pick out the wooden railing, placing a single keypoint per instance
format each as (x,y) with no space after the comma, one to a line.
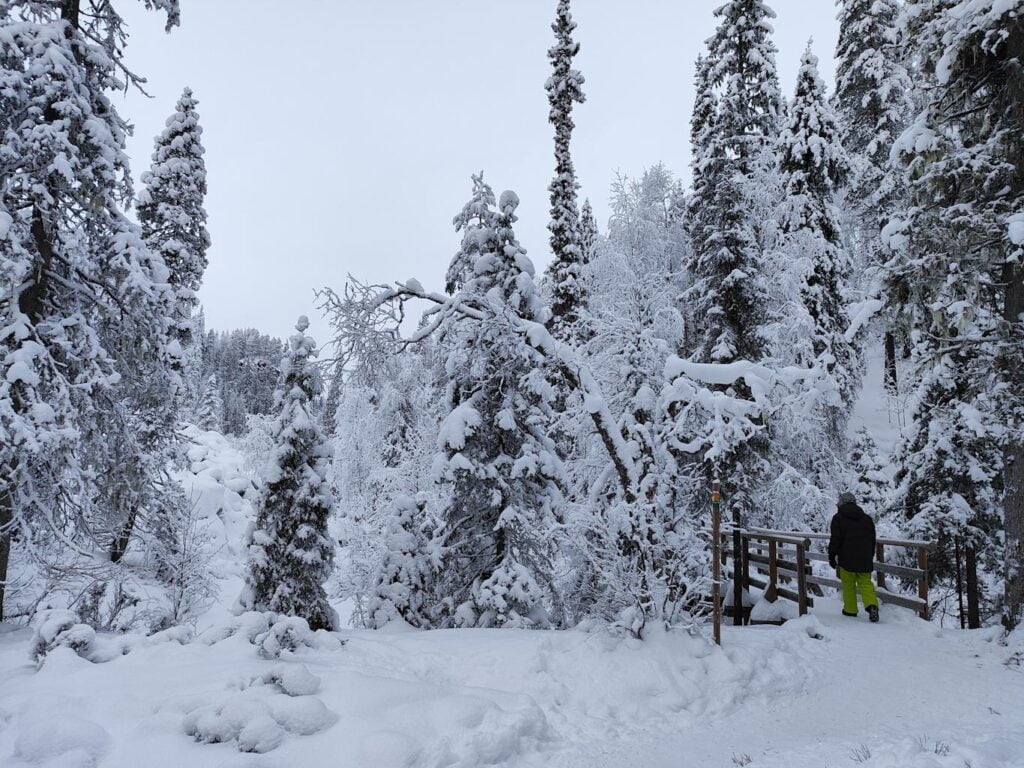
(783,562)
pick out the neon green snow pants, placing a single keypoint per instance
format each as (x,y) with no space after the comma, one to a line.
(851,581)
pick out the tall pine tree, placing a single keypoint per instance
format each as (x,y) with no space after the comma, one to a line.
(565,88)
(291,553)
(813,165)
(173,220)
(172,213)
(735,126)
(498,466)
(75,270)
(960,248)
(873,105)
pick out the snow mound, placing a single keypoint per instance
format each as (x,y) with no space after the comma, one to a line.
(293,679)
(273,635)
(68,741)
(257,722)
(221,492)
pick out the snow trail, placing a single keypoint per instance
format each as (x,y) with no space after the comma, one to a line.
(910,694)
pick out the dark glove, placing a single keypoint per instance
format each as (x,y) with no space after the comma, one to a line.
(832,561)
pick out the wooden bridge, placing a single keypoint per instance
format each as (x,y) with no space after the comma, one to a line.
(779,563)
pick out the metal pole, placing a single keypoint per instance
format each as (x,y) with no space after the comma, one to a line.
(716,538)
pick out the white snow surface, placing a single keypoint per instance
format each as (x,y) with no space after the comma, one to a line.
(815,692)
(822,690)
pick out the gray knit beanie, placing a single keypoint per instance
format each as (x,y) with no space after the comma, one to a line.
(846,498)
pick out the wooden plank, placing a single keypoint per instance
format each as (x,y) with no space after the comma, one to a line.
(797,535)
(746,564)
(907,543)
(801,580)
(737,579)
(879,560)
(922,585)
(913,603)
(758,582)
(773,573)
(789,573)
(825,581)
(790,594)
(884,595)
(898,570)
(820,557)
(783,539)
(716,584)
(789,565)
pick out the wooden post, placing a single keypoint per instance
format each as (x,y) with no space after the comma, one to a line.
(737,579)
(801,577)
(922,585)
(880,557)
(770,594)
(746,563)
(716,575)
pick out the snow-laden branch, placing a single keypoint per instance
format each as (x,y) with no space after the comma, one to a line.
(712,421)
(377,310)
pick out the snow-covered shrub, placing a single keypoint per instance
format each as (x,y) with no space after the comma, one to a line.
(61,627)
(293,679)
(186,569)
(117,604)
(286,635)
(411,558)
(257,722)
(257,444)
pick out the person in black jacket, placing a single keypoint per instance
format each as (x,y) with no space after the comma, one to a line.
(851,551)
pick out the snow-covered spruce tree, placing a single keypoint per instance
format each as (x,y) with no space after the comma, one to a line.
(735,127)
(208,412)
(171,210)
(71,261)
(873,103)
(869,480)
(589,233)
(565,88)
(949,481)
(498,468)
(291,554)
(192,367)
(810,249)
(732,137)
(960,249)
(404,583)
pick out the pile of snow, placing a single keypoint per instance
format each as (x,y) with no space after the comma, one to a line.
(221,493)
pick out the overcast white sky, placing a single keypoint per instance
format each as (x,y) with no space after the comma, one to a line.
(341,134)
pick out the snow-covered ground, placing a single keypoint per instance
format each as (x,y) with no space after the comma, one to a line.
(821,691)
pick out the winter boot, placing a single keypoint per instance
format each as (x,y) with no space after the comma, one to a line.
(873,613)
(847,613)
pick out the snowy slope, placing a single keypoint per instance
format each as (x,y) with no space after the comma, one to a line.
(910,695)
(820,691)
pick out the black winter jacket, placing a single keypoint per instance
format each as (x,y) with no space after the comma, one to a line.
(853,540)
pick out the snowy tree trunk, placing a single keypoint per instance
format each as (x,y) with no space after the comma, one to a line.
(6,516)
(891,380)
(973,594)
(1013,507)
(120,544)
